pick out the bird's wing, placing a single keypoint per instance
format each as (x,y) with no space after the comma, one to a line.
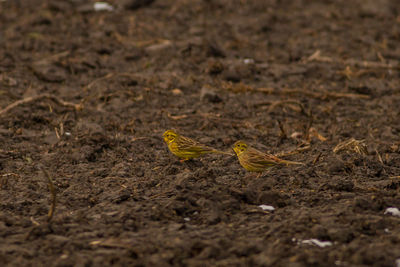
(187,144)
(262,159)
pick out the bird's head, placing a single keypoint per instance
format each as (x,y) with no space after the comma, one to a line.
(239,147)
(170,136)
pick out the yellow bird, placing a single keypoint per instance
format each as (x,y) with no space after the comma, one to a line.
(186,148)
(254,160)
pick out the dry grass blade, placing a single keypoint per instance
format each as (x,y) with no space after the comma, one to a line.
(379,156)
(34,222)
(352,145)
(307,128)
(316,56)
(177,117)
(37,98)
(317,158)
(240,87)
(315,133)
(111,243)
(296,151)
(283,134)
(53,194)
(304,92)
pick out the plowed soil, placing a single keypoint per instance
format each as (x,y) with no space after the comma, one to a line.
(91,93)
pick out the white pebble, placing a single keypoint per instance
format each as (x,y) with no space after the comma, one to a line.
(393,211)
(248,61)
(267,207)
(317,242)
(103,6)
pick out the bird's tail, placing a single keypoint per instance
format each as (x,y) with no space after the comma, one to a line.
(288,162)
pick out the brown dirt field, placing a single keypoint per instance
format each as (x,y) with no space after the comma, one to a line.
(100,88)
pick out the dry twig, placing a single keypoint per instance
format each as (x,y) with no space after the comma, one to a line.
(53,194)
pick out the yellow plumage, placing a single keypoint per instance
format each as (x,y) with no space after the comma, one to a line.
(186,148)
(254,160)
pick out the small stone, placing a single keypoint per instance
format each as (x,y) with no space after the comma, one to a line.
(176,91)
